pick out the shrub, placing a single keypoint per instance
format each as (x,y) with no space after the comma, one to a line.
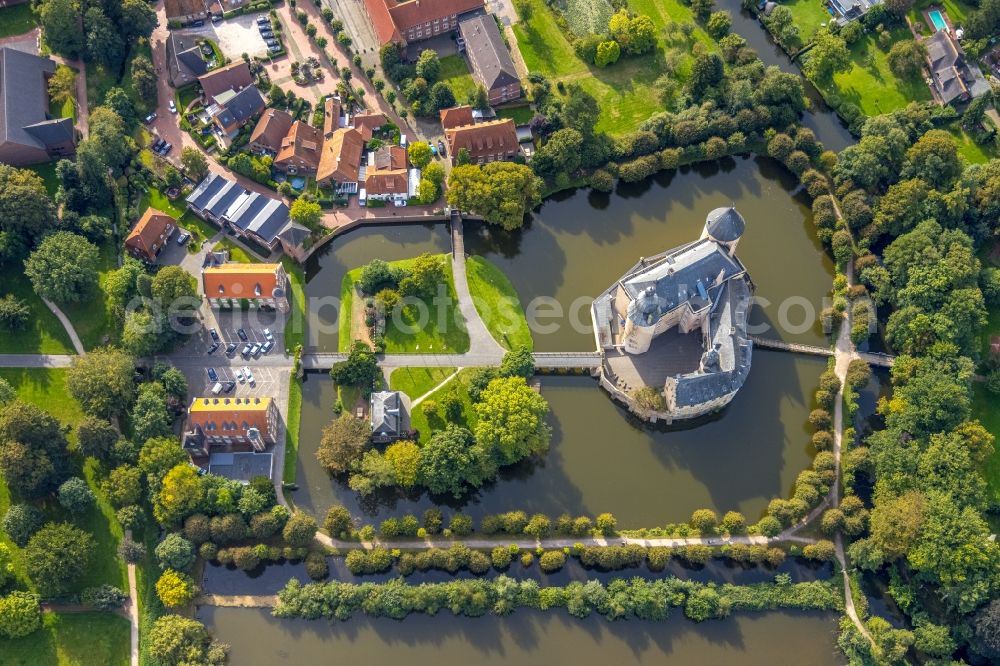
(823,550)
(21,521)
(245,558)
(20,614)
(228,528)
(501,557)
(75,496)
(316,566)
(208,551)
(607,524)
(105,597)
(658,557)
(704,520)
(197,528)
(526,559)
(460,525)
(823,440)
(338,520)
(299,530)
(131,517)
(552,560)
(175,552)
(175,589)
(57,556)
(131,551)
(820,419)
(433,521)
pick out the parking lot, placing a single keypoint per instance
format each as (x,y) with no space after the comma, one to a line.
(234,36)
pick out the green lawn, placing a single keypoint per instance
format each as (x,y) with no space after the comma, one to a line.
(162,203)
(497,303)
(874,88)
(986,408)
(809,16)
(969,149)
(456,74)
(16,20)
(236,252)
(93,322)
(184,96)
(624,91)
(292,429)
(441,331)
(47,172)
(415,382)
(522,115)
(460,384)
(71,639)
(295,322)
(43,334)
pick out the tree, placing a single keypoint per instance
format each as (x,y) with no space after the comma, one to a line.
(299,530)
(175,552)
(123,486)
(934,159)
(20,614)
(704,520)
(136,19)
(175,589)
(986,630)
(33,455)
(56,558)
(420,154)
(442,96)
(158,456)
(176,640)
(62,24)
(6,565)
(63,268)
(105,43)
(425,275)
(144,81)
(194,163)
(342,444)
(828,55)
(404,457)
(606,523)
(62,84)
(707,71)
(635,34)
(511,420)
(22,521)
(906,58)
(307,213)
(450,460)
(180,495)
(502,192)
(360,368)
(560,154)
(518,362)
(650,398)
(718,24)
(103,381)
(26,211)
(428,65)
(75,496)
(118,101)
(607,53)
(95,437)
(14,313)
(479,100)
(899,7)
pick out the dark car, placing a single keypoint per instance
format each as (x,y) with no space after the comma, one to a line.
(246,350)
(242,334)
(263,19)
(228,387)
(215,346)
(213,375)
(231,348)
(267,34)
(151,117)
(197,24)
(214,333)
(441,149)
(166,148)
(272,43)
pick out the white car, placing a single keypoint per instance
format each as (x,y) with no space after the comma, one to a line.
(268,335)
(173,107)
(250,379)
(239,376)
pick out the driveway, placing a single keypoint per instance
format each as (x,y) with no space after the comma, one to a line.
(358,28)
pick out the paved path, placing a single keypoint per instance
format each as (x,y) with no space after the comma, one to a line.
(481,341)
(36,360)
(67,324)
(133,610)
(447,379)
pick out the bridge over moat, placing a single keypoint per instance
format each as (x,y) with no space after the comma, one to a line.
(872,358)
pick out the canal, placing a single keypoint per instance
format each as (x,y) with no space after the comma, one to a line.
(527,638)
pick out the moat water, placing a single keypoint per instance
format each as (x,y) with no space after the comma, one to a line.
(601,459)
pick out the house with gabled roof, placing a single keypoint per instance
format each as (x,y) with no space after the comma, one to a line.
(415,20)
(261,285)
(233,424)
(456,116)
(491,141)
(300,149)
(184,60)
(270,131)
(340,161)
(29,134)
(150,235)
(491,64)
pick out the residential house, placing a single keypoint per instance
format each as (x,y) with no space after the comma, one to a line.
(952,77)
(300,149)
(150,234)
(261,285)
(185,11)
(231,78)
(849,10)
(331,115)
(492,66)
(240,424)
(415,20)
(456,117)
(260,218)
(367,123)
(270,131)
(184,59)
(386,176)
(388,416)
(340,161)
(232,100)
(491,141)
(28,132)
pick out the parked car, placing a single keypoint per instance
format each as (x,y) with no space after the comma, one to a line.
(400,204)
(268,346)
(214,333)
(151,117)
(183,238)
(231,348)
(197,24)
(266,33)
(273,48)
(242,334)
(156,145)
(441,149)
(268,335)
(249,375)
(172,106)
(166,148)
(255,351)
(246,350)
(213,375)
(240,377)
(228,387)
(216,18)
(263,19)
(434,150)
(214,348)
(217,389)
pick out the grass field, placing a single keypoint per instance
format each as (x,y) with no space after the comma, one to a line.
(456,74)
(16,20)
(295,322)
(43,334)
(90,317)
(236,252)
(292,429)
(415,382)
(439,332)
(47,172)
(809,16)
(460,384)
(71,639)
(498,305)
(969,149)
(624,91)
(873,86)
(986,408)
(521,115)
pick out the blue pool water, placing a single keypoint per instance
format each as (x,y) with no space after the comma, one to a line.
(298,183)
(937,20)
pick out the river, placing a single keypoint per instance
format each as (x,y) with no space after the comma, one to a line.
(527,638)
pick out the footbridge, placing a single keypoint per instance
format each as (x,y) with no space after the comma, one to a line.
(872,358)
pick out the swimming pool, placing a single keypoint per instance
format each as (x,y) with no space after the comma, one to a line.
(937,20)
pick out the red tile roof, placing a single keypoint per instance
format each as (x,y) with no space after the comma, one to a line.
(183,8)
(150,233)
(341,158)
(497,137)
(235,280)
(234,77)
(331,116)
(393,181)
(272,127)
(389,158)
(367,123)
(456,117)
(301,147)
(385,27)
(390,19)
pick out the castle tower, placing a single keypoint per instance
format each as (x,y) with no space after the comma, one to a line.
(725,226)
